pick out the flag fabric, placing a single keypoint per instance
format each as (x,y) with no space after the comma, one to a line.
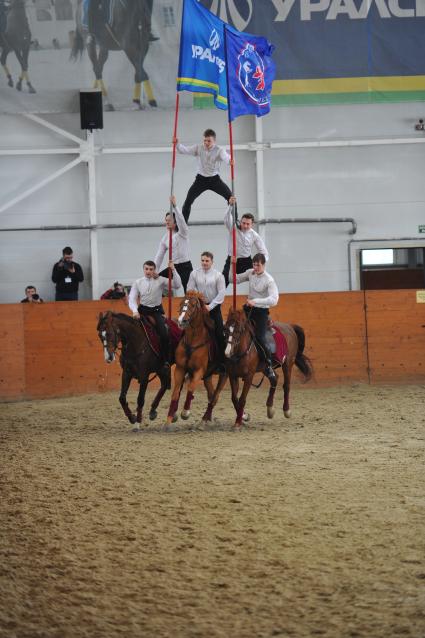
(202,66)
(250,73)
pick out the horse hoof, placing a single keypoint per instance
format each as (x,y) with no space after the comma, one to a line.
(138,105)
(19,85)
(175,417)
(152,415)
(185,415)
(153,103)
(31,89)
(287,413)
(132,419)
(246,417)
(270,412)
(108,107)
(10,83)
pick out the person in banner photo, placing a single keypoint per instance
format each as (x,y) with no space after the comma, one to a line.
(209,158)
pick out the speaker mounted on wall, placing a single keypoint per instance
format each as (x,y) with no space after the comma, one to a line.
(91,109)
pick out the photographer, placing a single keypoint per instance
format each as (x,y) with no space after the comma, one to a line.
(117,291)
(67,275)
(31,295)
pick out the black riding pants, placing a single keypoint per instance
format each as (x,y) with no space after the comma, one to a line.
(217,317)
(260,318)
(242,265)
(184,269)
(157,312)
(202,184)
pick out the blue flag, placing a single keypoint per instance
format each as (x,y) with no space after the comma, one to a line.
(250,73)
(202,66)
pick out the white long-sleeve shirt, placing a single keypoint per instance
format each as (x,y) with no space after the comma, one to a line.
(262,288)
(208,161)
(245,239)
(180,242)
(211,283)
(148,291)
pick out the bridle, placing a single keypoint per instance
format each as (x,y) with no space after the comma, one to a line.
(187,311)
(109,336)
(233,341)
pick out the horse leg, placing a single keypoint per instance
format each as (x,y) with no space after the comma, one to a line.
(287,371)
(125,384)
(3,58)
(242,400)
(212,402)
(155,403)
(24,55)
(141,399)
(193,382)
(179,374)
(270,398)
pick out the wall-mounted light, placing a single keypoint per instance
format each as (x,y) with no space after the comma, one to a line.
(420,126)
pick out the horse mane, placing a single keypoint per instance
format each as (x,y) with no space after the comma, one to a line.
(194,294)
(238,316)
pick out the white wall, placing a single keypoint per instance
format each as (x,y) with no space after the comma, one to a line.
(380,186)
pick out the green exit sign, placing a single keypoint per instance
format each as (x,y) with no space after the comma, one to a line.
(421,228)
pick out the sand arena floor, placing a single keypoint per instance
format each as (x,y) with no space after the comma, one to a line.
(312,526)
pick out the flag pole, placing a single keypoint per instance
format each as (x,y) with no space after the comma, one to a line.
(232,173)
(170,232)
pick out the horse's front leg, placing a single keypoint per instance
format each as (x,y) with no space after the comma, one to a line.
(287,371)
(212,401)
(155,403)
(193,382)
(141,400)
(247,382)
(270,397)
(125,384)
(3,59)
(179,374)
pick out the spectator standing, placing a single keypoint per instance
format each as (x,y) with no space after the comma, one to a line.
(67,275)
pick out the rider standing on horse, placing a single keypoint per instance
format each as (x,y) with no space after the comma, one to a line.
(246,239)
(180,244)
(263,294)
(210,282)
(145,300)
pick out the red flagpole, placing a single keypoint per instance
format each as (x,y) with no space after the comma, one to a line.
(170,234)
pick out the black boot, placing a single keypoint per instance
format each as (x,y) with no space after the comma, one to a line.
(268,370)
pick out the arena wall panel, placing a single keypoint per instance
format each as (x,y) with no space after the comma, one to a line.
(52,350)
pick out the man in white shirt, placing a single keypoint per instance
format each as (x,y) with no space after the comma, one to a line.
(209,158)
(180,244)
(246,239)
(210,282)
(145,299)
(263,294)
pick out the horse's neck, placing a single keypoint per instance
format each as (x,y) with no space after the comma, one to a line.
(130,332)
(197,328)
(246,338)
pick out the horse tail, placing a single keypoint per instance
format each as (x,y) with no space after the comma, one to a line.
(77,49)
(302,362)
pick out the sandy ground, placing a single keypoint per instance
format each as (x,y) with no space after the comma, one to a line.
(302,527)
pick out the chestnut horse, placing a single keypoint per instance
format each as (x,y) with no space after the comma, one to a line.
(193,354)
(244,361)
(138,360)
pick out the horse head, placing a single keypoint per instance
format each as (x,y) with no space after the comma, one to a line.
(236,328)
(109,334)
(192,310)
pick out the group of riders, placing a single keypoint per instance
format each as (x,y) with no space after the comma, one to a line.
(145,298)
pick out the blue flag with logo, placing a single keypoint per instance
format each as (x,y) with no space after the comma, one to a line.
(202,66)
(250,73)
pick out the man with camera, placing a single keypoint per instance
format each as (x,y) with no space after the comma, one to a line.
(31,295)
(118,291)
(67,275)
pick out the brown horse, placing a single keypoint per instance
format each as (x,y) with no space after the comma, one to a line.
(138,360)
(244,361)
(16,38)
(193,354)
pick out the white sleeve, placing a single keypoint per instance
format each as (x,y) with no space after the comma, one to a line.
(228,219)
(133,298)
(187,150)
(181,223)
(162,249)
(260,246)
(271,300)
(221,291)
(191,284)
(176,281)
(224,155)
(244,276)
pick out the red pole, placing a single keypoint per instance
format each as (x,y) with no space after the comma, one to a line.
(232,173)
(170,235)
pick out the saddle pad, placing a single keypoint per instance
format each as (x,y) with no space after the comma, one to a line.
(281,349)
(174,332)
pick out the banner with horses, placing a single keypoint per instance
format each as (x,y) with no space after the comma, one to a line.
(327,51)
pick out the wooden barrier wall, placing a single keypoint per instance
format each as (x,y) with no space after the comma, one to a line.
(52,349)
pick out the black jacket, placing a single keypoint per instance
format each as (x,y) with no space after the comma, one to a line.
(59,274)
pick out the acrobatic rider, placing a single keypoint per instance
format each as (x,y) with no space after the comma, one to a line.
(145,300)
(210,282)
(263,294)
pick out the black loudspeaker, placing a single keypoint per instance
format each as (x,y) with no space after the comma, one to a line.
(91,110)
